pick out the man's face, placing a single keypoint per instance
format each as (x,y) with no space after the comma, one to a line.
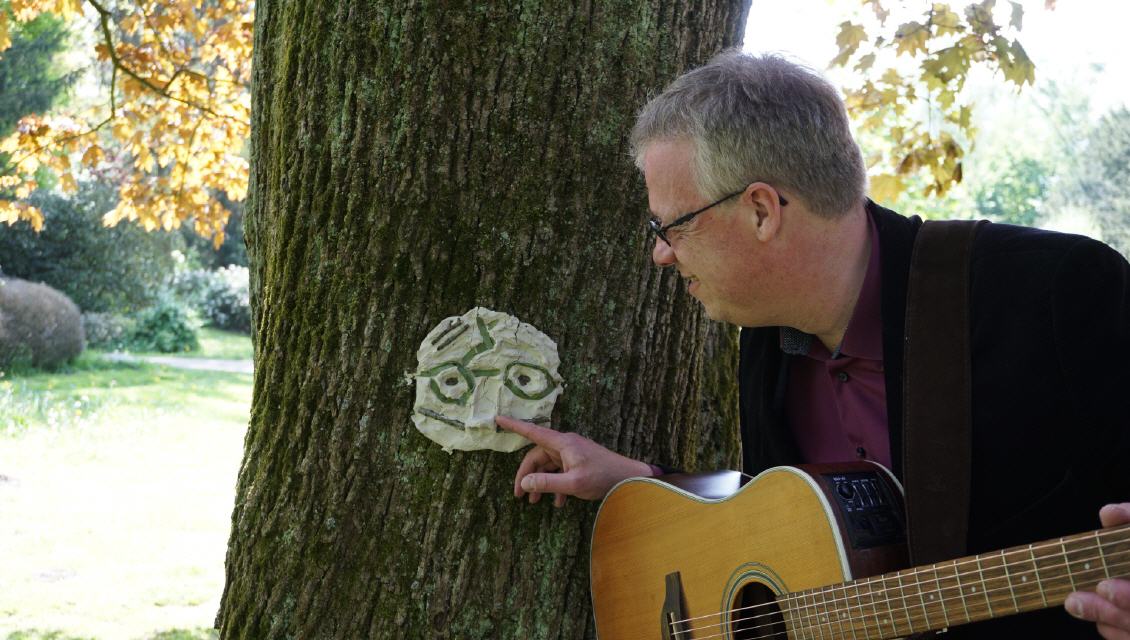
(715,252)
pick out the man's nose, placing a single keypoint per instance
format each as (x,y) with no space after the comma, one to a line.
(662,254)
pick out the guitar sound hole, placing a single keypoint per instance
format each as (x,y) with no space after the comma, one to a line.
(756,614)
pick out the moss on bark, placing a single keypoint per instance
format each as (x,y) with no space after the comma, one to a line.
(411,160)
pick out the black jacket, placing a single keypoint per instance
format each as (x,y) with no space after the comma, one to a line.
(1050,323)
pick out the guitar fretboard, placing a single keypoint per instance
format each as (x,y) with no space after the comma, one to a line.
(956,592)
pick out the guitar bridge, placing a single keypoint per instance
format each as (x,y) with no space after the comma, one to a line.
(673,620)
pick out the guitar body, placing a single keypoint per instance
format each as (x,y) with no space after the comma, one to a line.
(662,552)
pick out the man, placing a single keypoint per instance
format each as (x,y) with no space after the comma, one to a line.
(757,191)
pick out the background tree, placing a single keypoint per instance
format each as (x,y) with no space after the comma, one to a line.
(411,162)
(1101,178)
(30,78)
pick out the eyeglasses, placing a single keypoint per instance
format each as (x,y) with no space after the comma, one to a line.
(661,229)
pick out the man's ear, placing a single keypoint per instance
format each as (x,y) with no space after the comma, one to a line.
(765,205)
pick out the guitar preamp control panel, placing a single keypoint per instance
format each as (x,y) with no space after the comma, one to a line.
(871,515)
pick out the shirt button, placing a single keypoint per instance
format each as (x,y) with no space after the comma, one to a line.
(842,376)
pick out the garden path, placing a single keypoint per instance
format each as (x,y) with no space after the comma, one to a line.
(200,364)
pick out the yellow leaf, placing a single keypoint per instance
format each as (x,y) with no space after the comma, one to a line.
(1017,67)
(886,188)
(850,36)
(93,156)
(865,62)
(5,38)
(892,78)
(945,20)
(67,181)
(911,38)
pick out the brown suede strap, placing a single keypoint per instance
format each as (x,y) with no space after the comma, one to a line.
(937,392)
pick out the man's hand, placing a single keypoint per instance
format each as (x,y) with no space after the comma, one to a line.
(567,464)
(1109,606)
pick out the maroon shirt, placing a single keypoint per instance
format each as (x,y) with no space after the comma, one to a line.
(836,403)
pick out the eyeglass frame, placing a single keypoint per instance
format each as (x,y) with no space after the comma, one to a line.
(661,229)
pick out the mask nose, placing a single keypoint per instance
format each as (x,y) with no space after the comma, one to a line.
(483,410)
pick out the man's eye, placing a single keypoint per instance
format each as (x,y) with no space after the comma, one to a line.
(528,381)
(451,382)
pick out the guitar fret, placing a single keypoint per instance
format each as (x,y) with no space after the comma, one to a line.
(809,613)
(822,619)
(878,619)
(1067,565)
(1052,569)
(862,615)
(921,598)
(984,589)
(787,613)
(961,591)
(1019,572)
(940,595)
(905,608)
(1086,563)
(834,612)
(1102,556)
(887,601)
(845,612)
(1011,591)
(1036,570)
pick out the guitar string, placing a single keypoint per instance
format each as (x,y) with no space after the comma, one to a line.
(806,621)
(798,629)
(1030,549)
(918,570)
(873,602)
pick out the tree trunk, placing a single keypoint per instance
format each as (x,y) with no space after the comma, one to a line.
(412,160)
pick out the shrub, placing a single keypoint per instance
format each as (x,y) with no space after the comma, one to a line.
(168,327)
(118,269)
(107,330)
(39,326)
(220,296)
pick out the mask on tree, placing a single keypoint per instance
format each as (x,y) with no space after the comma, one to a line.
(479,365)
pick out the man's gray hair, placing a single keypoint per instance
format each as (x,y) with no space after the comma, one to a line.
(759,118)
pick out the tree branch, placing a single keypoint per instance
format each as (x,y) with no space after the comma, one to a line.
(104,19)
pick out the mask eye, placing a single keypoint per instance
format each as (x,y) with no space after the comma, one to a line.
(450,382)
(528,381)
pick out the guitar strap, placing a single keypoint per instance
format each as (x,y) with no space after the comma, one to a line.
(937,392)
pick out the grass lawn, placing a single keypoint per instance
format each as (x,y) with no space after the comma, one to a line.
(116,488)
(218,344)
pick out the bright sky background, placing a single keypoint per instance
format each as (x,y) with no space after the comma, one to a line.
(1076,34)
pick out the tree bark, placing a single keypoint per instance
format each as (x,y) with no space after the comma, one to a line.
(411,160)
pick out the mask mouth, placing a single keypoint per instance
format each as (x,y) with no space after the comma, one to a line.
(479,426)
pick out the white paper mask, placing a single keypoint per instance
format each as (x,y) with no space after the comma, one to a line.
(479,365)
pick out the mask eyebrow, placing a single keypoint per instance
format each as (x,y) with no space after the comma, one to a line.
(457,324)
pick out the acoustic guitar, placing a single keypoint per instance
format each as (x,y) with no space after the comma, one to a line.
(810,552)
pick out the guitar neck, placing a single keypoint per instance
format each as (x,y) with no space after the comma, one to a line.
(937,596)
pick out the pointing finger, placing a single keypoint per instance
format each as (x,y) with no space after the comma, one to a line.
(538,435)
(559,483)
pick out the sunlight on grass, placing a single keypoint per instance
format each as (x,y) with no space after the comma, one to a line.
(215,343)
(116,484)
